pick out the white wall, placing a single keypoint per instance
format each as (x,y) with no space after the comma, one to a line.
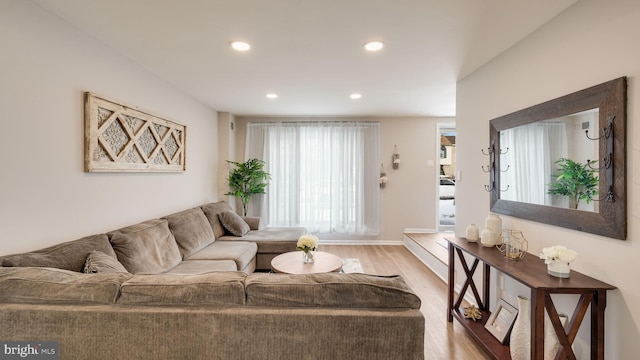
(45,197)
(409,200)
(592,42)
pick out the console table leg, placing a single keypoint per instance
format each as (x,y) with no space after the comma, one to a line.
(452,267)
(598,304)
(537,323)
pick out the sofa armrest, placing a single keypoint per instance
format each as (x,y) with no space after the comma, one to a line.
(252,221)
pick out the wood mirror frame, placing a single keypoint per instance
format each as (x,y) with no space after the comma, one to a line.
(610,99)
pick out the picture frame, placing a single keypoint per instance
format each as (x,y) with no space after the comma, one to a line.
(501,320)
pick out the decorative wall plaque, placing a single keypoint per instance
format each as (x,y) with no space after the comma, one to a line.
(119,138)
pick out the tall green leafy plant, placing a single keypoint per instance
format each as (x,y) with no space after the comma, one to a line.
(575,180)
(247,179)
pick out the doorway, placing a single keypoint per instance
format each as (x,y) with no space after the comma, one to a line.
(446,177)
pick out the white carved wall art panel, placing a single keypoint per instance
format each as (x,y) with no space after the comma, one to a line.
(119,138)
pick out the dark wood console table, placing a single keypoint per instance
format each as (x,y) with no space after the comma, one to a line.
(532,272)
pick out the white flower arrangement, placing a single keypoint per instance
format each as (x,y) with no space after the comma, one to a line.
(307,243)
(396,161)
(558,253)
(383,179)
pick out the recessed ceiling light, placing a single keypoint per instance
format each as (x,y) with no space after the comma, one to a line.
(272,96)
(373,45)
(355,96)
(240,45)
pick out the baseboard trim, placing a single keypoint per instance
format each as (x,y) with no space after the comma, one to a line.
(360,242)
(419,231)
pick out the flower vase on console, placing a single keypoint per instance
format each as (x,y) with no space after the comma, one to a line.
(558,259)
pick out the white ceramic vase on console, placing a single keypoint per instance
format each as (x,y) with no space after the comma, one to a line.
(551,342)
(494,222)
(473,233)
(520,338)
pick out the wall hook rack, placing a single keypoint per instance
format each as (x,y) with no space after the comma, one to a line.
(607,131)
(491,152)
(488,188)
(607,138)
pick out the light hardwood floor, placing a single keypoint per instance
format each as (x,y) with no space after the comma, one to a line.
(443,340)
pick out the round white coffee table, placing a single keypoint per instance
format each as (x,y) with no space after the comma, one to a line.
(291,263)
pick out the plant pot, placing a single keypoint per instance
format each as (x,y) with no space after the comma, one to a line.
(559,269)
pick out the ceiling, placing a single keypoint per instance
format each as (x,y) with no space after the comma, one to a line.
(310,52)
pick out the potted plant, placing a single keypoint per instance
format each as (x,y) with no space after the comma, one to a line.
(575,180)
(247,179)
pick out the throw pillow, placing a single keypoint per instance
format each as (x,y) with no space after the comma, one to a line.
(99,262)
(233,223)
(211,211)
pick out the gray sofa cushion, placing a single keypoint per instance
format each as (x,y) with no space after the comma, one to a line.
(99,262)
(211,211)
(191,229)
(147,247)
(211,289)
(272,239)
(241,252)
(329,290)
(233,223)
(192,267)
(57,286)
(70,255)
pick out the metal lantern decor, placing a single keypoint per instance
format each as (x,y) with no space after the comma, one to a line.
(395,158)
(514,244)
(383,177)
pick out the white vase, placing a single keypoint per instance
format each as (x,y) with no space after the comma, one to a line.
(551,342)
(487,238)
(473,233)
(494,222)
(520,339)
(559,269)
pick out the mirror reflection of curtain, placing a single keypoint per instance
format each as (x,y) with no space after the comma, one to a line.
(531,162)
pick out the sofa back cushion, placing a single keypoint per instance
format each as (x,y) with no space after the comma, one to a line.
(147,247)
(191,229)
(210,289)
(329,290)
(69,255)
(211,211)
(56,286)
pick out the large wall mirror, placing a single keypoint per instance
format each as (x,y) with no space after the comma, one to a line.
(562,162)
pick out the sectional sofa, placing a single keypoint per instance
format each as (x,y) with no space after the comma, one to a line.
(184,287)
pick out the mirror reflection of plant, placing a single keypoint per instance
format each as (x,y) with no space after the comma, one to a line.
(575,180)
(247,179)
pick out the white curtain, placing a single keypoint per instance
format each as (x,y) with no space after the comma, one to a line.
(324,175)
(532,152)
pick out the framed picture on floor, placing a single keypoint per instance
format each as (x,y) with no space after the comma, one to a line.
(501,320)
